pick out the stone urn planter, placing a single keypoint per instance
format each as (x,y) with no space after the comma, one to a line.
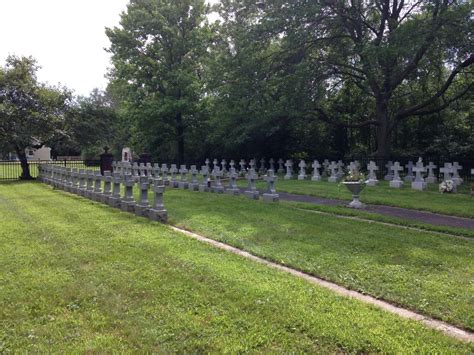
(355,187)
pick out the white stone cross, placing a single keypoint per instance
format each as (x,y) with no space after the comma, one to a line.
(446,171)
(396,168)
(333,166)
(302,174)
(418,169)
(372,168)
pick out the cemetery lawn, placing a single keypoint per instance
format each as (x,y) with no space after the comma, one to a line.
(78,276)
(426,272)
(460,204)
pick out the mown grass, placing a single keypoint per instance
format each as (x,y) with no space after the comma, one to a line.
(362,214)
(78,276)
(426,272)
(459,204)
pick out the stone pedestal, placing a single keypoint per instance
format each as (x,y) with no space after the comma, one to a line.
(158,215)
(252,194)
(232,191)
(431,180)
(127,206)
(301,177)
(418,185)
(372,182)
(333,179)
(142,210)
(355,188)
(114,202)
(409,178)
(193,186)
(183,185)
(388,177)
(218,189)
(271,197)
(397,184)
(316,178)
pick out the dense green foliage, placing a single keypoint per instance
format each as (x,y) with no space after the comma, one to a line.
(78,276)
(31,113)
(295,78)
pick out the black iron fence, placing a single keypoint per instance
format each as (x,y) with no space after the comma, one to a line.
(11,169)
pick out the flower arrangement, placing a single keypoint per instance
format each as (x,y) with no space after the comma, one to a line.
(447,186)
(354,175)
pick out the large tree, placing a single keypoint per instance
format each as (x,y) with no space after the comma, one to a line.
(388,51)
(157,54)
(31,113)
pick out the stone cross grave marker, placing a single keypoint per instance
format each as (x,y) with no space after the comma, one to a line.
(107,187)
(158,212)
(242,164)
(252,191)
(224,167)
(409,176)
(396,182)
(174,172)
(271,162)
(340,169)
(316,175)
(372,168)
(332,168)
(217,174)
(446,171)
(183,183)
(431,179)
(289,170)
(270,195)
(127,203)
(419,183)
(281,170)
(456,178)
(302,174)
(262,166)
(204,185)
(114,199)
(164,172)
(142,206)
(193,185)
(389,176)
(232,189)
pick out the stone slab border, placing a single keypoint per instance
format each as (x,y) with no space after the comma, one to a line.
(446,328)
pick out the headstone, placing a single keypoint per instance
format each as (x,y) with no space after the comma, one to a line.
(114,199)
(419,183)
(270,195)
(316,175)
(158,212)
(127,203)
(142,206)
(333,172)
(204,185)
(174,172)
(135,171)
(252,191)
(281,170)
(262,166)
(232,164)
(183,184)
(409,177)
(90,184)
(155,172)
(302,173)
(271,162)
(396,182)
(447,170)
(193,185)
(289,170)
(224,167)
(372,178)
(215,164)
(68,185)
(81,190)
(217,187)
(340,170)
(232,188)
(207,162)
(142,169)
(75,180)
(126,154)
(352,167)
(456,178)
(431,179)
(389,176)
(104,198)
(243,169)
(326,171)
(164,172)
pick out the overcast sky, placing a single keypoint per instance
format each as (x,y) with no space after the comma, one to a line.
(67,38)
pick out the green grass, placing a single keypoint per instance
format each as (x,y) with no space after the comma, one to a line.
(78,276)
(426,272)
(351,212)
(460,204)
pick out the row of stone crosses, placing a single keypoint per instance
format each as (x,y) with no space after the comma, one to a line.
(415,173)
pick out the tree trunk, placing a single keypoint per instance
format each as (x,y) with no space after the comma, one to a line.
(25,168)
(383,129)
(180,134)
